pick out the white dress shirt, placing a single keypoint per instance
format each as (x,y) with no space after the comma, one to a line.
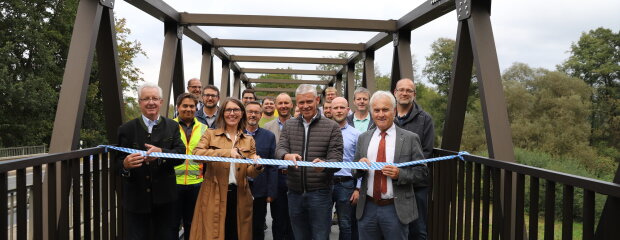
(373,148)
(231,175)
(150,123)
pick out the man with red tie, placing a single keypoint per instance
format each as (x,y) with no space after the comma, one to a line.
(387,200)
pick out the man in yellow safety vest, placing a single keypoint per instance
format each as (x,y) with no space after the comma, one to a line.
(188,174)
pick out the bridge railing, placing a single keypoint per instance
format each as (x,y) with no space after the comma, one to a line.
(482,198)
(77,201)
(21,151)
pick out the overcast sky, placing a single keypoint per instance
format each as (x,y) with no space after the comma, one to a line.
(535,32)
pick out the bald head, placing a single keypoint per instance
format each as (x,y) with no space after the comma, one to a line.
(284,104)
(340,110)
(194,87)
(405,92)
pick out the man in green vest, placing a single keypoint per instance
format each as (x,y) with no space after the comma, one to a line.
(188,174)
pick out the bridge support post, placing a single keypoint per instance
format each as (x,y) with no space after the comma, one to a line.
(401,61)
(225,83)
(368,75)
(350,85)
(171,68)
(93,29)
(206,69)
(236,85)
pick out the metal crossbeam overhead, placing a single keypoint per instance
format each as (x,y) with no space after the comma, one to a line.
(287,71)
(274,89)
(275,59)
(288,22)
(288,45)
(288,81)
(423,14)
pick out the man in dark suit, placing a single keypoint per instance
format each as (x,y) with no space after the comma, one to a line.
(149,183)
(265,185)
(387,203)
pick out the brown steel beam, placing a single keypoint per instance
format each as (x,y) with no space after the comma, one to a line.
(206,69)
(350,84)
(236,85)
(275,89)
(401,62)
(337,61)
(230,20)
(287,71)
(178,83)
(109,75)
(225,82)
(368,74)
(459,89)
(339,83)
(168,63)
(498,133)
(288,45)
(289,81)
(423,14)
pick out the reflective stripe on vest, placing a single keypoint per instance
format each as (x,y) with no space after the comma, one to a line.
(190,172)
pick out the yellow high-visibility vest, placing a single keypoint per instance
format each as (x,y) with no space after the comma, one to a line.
(190,172)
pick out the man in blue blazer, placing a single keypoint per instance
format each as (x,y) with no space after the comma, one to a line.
(264,186)
(387,200)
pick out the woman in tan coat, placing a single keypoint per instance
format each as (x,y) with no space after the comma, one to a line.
(224,206)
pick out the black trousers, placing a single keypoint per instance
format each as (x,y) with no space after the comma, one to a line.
(259,213)
(230,230)
(158,224)
(187,195)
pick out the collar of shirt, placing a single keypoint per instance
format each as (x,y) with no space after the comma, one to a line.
(248,132)
(366,118)
(390,132)
(150,123)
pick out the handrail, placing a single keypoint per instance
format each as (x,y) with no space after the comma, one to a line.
(602,187)
(21,163)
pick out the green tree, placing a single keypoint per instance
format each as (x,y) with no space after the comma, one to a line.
(549,111)
(595,58)
(276,85)
(33,53)
(33,48)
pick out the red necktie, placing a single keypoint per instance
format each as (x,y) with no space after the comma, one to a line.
(380,181)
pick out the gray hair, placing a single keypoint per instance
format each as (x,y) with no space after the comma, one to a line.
(383,94)
(149,85)
(306,88)
(361,90)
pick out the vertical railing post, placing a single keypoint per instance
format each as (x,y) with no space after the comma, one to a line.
(206,69)
(225,83)
(350,85)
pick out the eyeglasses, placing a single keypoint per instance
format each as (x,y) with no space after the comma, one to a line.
(405,90)
(154,99)
(210,96)
(253,112)
(194,87)
(232,110)
(249,98)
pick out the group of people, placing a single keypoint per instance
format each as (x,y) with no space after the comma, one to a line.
(221,200)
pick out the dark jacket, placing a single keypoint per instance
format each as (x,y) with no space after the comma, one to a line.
(371,124)
(421,123)
(266,183)
(153,183)
(324,141)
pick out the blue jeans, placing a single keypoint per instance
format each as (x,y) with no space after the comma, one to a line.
(417,228)
(310,214)
(344,209)
(381,222)
(281,224)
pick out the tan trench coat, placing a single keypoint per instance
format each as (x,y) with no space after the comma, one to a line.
(210,212)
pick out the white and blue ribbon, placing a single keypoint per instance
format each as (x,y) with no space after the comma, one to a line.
(278,162)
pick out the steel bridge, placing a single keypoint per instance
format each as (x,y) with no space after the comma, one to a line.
(74,194)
